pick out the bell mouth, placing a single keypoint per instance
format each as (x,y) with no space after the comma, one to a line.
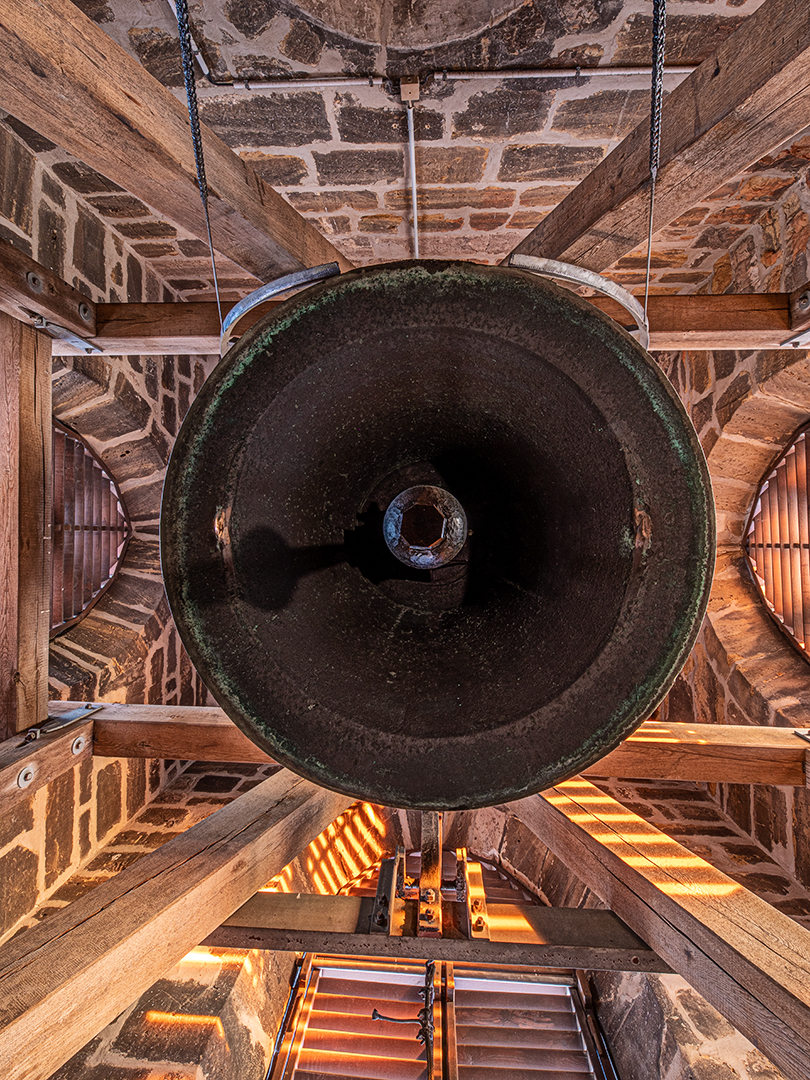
(542,639)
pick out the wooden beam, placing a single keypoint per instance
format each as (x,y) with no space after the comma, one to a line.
(746,958)
(735,754)
(35,498)
(521,934)
(730,753)
(744,100)
(749,321)
(10,349)
(189,732)
(27,287)
(88,962)
(26,767)
(65,78)
(25,529)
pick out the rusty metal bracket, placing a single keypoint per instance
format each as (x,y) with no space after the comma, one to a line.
(478,928)
(430,878)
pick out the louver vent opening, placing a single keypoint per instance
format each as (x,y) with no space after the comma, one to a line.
(778,543)
(90,529)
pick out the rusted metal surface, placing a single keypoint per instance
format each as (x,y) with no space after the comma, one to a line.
(425,527)
(560,624)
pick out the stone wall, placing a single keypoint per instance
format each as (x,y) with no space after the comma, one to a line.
(493,155)
(92,234)
(61,827)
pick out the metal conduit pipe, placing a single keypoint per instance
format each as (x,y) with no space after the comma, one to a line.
(213,89)
(412,170)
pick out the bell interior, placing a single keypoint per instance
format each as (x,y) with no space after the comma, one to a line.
(556,436)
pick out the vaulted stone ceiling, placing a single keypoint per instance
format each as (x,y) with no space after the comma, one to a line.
(493,155)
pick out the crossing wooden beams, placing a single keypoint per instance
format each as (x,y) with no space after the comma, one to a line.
(744,100)
(66,78)
(749,321)
(65,979)
(747,959)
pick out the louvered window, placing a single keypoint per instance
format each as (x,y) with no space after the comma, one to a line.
(778,543)
(90,529)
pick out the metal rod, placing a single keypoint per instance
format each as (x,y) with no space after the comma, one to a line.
(412,170)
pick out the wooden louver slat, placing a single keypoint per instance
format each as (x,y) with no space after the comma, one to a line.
(778,542)
(90,528)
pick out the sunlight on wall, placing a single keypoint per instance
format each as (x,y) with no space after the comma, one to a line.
(353,842)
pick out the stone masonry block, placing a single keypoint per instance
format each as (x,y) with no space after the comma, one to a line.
(690,38)
(451,164)
(279,170)
(549,162)
(88,248)
(59,827)
(16,181)
(82,178)
(17,821)
(452,198)
(18,885)
(159,52)
(38,143)
(296,119)
(359,124)
(498,114)
(607,114)
(108,799)
(359,166)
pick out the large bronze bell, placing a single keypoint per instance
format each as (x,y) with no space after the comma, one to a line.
(502,663)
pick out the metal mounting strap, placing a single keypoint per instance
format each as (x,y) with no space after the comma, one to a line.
(578,275)
(61,333)
(296,280)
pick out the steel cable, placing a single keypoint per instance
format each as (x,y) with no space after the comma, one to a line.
(187,56)
(656,107)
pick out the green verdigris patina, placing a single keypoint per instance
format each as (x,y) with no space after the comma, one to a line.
(551,635)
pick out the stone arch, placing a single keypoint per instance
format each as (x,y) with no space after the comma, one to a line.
(763,403)
(126,647)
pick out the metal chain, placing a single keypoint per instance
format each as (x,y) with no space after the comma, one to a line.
(187,56)
(657,96)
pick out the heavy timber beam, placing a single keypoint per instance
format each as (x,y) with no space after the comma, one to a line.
(735,754)
(63,980)
(520,934)
(676,322)
(746,958)
(744,100)
(703,752)
(765,321)
(64,77)
(25,524)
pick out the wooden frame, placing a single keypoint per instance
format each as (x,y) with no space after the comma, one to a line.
(748,97)
(125,933)
(747,959)
(740,321)
(116,117)
(25,547)
(521,934)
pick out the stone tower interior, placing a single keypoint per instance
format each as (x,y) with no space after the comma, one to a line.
(128,837)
